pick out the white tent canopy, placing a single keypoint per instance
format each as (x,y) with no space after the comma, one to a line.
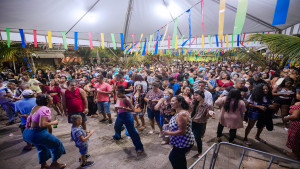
(133,17)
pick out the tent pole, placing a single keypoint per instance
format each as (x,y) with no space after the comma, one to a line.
(171,16)
(83,16)
(128,16)
(14,65)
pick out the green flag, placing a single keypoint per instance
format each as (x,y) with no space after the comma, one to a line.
(209,41)
(174,32)
(8,37)
(113,40)
(64,39)
(240,16)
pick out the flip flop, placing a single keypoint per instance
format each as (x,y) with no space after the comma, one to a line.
(247,142)
(261,140)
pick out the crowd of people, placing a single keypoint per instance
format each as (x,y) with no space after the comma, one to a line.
(177,98)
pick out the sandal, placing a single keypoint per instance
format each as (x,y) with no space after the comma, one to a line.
(247,142)
(137,125)
(164,142)
(260,140)
(142,128)
(140,152)
(60,166)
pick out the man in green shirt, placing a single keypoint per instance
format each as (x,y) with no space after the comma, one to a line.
(190,79)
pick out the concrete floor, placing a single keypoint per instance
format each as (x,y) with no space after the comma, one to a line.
(109,154)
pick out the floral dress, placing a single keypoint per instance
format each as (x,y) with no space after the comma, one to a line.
(293,141)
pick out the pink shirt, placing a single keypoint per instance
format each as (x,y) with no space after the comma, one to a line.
(43,111)
(103,87)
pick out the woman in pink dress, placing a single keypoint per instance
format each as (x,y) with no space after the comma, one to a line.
(232,110)
(55,93)
(293,141)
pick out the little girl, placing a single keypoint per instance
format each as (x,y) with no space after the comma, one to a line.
(123,106)
(138,102)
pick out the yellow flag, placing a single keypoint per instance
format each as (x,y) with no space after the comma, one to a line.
(102,40)
(164,35)
(249,38)
(202,41)
(176,43)
(221,18)
(226,40)
(50,39)
(138,47)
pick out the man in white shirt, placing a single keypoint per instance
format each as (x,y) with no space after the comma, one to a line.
(208,97)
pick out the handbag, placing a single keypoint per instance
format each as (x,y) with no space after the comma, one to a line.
(137,109)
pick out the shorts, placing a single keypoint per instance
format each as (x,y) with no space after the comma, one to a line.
(139,113)
(22,127)
(77,113)
(282,101)
(153,114)
(103,107)
(253,115)
(83,149)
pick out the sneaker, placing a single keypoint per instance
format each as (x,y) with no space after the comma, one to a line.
(103,120)
(86,157)
(151,132)
(286,129)
(87,164)
(115,138)
(10,123)
(110,122)
(160,135)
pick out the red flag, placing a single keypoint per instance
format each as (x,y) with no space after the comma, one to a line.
(34,38)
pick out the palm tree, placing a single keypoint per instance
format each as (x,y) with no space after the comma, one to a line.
(6,53)
(15,51)
(287,45)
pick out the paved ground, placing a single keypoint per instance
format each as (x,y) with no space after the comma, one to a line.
(109,154)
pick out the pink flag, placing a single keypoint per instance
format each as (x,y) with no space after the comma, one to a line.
(132,39)
(34,38)
(194,39)
(91,43)
(169,41)
(243,38)
(202,17)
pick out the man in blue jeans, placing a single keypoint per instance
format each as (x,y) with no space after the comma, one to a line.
(103,91)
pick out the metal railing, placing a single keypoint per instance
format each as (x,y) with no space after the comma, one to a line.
(216,149)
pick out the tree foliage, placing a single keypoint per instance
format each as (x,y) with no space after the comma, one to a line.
(287,45)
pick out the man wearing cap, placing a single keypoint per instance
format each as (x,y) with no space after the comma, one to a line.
(23,108)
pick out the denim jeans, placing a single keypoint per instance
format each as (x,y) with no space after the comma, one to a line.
(103,107)
(198,130)
(177,157)
(127,119)
(46,144)
(10,110)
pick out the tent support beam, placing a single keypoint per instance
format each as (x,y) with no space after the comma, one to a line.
(171,16)
(83,16)
(127,21)
(251,17)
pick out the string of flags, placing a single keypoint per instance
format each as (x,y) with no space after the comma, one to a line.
(151,44)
